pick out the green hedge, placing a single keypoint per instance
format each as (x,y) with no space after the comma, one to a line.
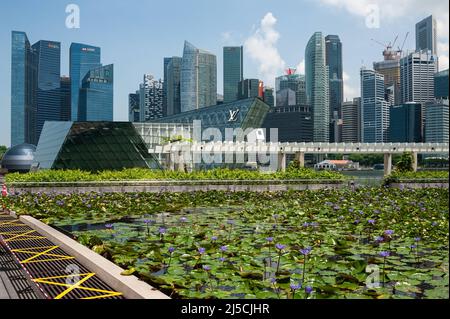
(145,174)
(419,175)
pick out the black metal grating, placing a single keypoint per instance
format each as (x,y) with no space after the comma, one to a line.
(57,274)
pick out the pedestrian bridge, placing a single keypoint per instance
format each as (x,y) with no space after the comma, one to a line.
(300,149)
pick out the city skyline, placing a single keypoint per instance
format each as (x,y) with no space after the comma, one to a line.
(266,27)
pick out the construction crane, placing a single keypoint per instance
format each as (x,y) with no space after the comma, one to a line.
(400,49)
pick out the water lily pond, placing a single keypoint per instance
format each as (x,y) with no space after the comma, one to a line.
(368,243)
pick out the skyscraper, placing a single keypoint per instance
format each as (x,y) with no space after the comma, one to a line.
(65,99)
(390,69)
(96,99)
(334,62)
(150,99)
(317,86)
(351,121)
(83,58)
(291,89)
(441,85)
(198,78)
(47,98)
(133,107)
(436,121)
(417,77)
(406,123)
(250,88)
(426,38)
(21,89)
(233,72)
(374,108)
(172,85)
(165,74)
(268,96)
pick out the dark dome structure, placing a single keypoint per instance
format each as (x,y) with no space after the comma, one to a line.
(19,158)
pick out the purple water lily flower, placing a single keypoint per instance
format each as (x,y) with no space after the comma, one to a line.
(214,238)
(171,249)
(162,230)
(389,232)
(305,251)
(231,222)
(371,221)
(296,286)
(206,268)
(385,254)
(269,239)
(183,219)
(280,246)
(309,289)
(222,259)
(413,246)
(224,248)
(109,226)
(379,239)
(305,224)
(417,239)
(201,250)
(273,280)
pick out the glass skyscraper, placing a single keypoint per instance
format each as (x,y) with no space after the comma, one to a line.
(336,87)
(96,97)
(65,99)
(133,107)
(291,89)
(233,72)
(441,85)
(198,78)
(83,58)
(374,108)
(317,86)
(172,85)
(48,83)
(406,123)
(426,35)
(21,89)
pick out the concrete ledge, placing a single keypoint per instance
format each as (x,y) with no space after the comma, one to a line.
(130,286)
(409,184)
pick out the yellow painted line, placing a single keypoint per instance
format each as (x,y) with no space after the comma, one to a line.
(40,254)
(21,235)
(112,294)
(26,250)
(74,286)
(13,232)
(64,276)
(27,237)
(13,222)
(47,260)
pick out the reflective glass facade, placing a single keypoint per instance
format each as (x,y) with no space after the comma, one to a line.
(374,108)
(47,97)
(233,72)
(96,100)
(336,85)
(291,90)
(92,146)
(133,107)
(172,84)
(83,58)
(198,78)
(21,93)
(317,86)
(65,99)
(244,114)
(406,123)
(441,85)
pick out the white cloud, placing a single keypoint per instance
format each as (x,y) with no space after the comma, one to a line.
(350,91)
(261,48)
(301,67)
(402,8)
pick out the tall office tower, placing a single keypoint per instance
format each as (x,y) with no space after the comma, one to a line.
(172,85)
(22,114)
(198,78)
(317,86)
(83,58)
(269,97)
(441,85)
(47,98)
(133,107)
(390,69)
(96,99)
(426,35)
(374,108)
(65,99)
(164,103)
(436,121)
(417,72)
(351,121)
(406,123)
(150,99)
(291,89)
(334,62)
(233,72)
(250,88)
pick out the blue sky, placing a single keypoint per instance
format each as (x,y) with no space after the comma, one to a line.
(135,35)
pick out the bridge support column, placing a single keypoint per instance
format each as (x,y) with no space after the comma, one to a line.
(387,164)
(414,164)
(300,157)
(282,162)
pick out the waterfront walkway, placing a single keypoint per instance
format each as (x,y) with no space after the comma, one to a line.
(32,267)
